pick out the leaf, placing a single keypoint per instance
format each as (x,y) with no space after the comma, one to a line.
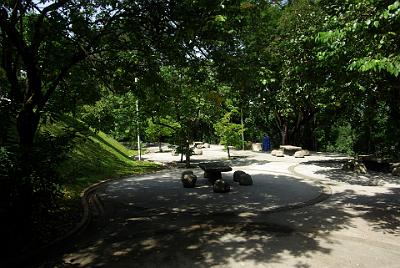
(220,18)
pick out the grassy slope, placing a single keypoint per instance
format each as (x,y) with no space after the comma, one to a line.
(95,157)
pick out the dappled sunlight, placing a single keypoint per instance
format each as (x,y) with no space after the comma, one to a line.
(200,245)
(283,219)
(166,191)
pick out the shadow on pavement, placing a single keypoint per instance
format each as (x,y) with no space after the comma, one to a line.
(143,235)
(335,172)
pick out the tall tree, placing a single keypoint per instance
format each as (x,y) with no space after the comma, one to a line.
(368,78)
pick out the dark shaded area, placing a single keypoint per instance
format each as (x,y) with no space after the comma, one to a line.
(152,237)
(142,235)
(377,166)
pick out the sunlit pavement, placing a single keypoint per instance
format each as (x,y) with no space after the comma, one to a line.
(298,213)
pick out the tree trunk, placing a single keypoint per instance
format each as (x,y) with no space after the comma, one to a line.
(187,156)
(242,124)
(284,134)
(27,125)
(159,145)
(227,149)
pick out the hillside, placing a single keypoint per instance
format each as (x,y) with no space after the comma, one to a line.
(95,156)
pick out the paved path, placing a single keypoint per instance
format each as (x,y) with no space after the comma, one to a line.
(298,213)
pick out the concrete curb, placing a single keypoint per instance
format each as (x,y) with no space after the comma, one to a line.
(37,255)
(86,195)
(324,193)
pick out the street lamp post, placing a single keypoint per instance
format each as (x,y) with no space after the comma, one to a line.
(138,127)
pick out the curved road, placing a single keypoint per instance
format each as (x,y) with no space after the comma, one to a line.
(297,214)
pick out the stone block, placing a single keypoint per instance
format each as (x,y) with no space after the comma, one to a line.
(245,179)
(299,154)
(189,180)
(257,147)
(221,186)
(237,174)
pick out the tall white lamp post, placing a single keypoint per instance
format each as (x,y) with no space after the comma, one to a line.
(138,127)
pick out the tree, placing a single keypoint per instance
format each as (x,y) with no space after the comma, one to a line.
(366,79)
(160,128)
(229,132)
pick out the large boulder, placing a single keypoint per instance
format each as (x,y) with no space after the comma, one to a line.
(245,179)
(278,153)
(188,179)
(221,186)
(306,152)
(206,145)
(237,174)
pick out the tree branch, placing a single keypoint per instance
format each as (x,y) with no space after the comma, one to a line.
(36,39)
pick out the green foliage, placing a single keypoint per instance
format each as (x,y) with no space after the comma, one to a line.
(343,138)
(161,128)
(229,133)
(113,114)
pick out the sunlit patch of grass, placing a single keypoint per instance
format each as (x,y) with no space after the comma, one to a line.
(94,157)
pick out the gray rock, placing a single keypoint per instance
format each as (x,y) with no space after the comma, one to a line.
(221,186)
(360,168)
(257,147)
(279,153)
(299,154)
(348,166)
(356,166)
(186,172)
(396,171)
(188,179)
(306,152)
(206,145)
(245,179)
(237,174)
(197,151)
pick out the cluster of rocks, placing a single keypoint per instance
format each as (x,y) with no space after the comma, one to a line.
(358,166)
(219,186)
(239,176)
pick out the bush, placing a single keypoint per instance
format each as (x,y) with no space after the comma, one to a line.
(343,139)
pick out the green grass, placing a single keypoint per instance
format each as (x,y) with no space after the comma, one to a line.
(96,157)
(93,157)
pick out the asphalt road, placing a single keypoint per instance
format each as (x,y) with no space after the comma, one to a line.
(298,213)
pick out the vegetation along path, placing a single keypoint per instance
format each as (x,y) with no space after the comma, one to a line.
(296,214)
